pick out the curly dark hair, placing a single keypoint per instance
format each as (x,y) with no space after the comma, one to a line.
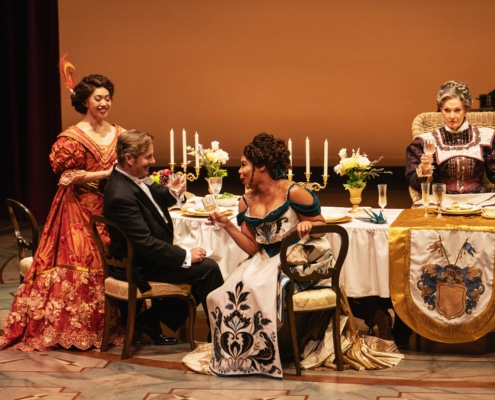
(267,150)
(86,87)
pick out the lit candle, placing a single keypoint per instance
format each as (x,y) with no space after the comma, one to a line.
(289,145)
(171,146)
(184,147)
(307,155)
(196,148)
(325,158)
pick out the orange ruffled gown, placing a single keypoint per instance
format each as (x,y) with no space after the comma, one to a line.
(61,301)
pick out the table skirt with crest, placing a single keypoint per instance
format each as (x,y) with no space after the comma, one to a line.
(441,275)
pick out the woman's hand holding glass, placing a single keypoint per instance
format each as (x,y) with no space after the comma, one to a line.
(427,157)
(210,205)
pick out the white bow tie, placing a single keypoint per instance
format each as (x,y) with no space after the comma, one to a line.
(148,181)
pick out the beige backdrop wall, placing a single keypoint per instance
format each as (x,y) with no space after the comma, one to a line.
(353,71)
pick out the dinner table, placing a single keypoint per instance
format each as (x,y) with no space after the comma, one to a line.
(364,276)
(436,273)
(365,271)
(442,272)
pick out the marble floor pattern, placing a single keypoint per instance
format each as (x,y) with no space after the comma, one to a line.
(429,371)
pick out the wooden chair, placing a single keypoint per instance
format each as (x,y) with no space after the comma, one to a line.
(429,121)
(27,234)
(315,299)
(128,291)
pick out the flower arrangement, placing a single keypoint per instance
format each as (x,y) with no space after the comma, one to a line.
(358,168)
(161,176)
(211,159)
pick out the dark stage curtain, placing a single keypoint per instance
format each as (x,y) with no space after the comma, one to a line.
(31,91)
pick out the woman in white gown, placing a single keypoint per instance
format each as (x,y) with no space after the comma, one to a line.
(244,310)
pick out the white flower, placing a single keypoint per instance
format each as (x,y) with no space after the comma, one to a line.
(357,167)
(212,158)
(363,161)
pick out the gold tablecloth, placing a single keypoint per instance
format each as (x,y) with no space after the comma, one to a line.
(441,274)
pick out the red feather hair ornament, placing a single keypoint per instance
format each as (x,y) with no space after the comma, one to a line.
(66,69)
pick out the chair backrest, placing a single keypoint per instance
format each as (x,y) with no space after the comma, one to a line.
(333,273)
(26,228)
(101,225)
(429,121)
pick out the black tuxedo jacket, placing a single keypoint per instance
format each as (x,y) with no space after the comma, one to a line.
(128,205)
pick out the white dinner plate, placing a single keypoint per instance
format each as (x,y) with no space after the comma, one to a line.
(461,209)
(200,212)
(228,202)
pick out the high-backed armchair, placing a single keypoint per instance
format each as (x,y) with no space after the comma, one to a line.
(429,121)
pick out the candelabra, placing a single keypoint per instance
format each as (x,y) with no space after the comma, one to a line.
(189,176)
(314,186)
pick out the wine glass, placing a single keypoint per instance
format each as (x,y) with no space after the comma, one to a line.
(210,205)
(429,146)
(177,183)
(439,190)
(425,196)
(215,183)
(382,196)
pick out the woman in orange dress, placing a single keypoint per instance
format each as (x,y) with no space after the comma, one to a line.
(61,300)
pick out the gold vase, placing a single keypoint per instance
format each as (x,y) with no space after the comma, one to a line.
(355,197)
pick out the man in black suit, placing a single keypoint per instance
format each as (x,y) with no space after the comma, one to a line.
(140,207)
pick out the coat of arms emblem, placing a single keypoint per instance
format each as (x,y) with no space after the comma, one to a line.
(450,289)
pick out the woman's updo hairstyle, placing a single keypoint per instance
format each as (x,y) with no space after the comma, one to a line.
(454,90)
(266,150)
(86,87)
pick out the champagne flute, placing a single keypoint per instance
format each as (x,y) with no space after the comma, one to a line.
(439,190)
(429,148)
(210,205)
(425,196)
(215,183)
(382,196)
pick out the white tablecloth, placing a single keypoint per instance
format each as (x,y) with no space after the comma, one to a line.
(365,271)
(190,232)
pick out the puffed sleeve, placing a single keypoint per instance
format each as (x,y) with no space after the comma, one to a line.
(67,154)
(68,159)
(413,158)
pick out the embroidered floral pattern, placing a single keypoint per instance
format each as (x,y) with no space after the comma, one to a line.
(61,300)
(460,141)
(246,347)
